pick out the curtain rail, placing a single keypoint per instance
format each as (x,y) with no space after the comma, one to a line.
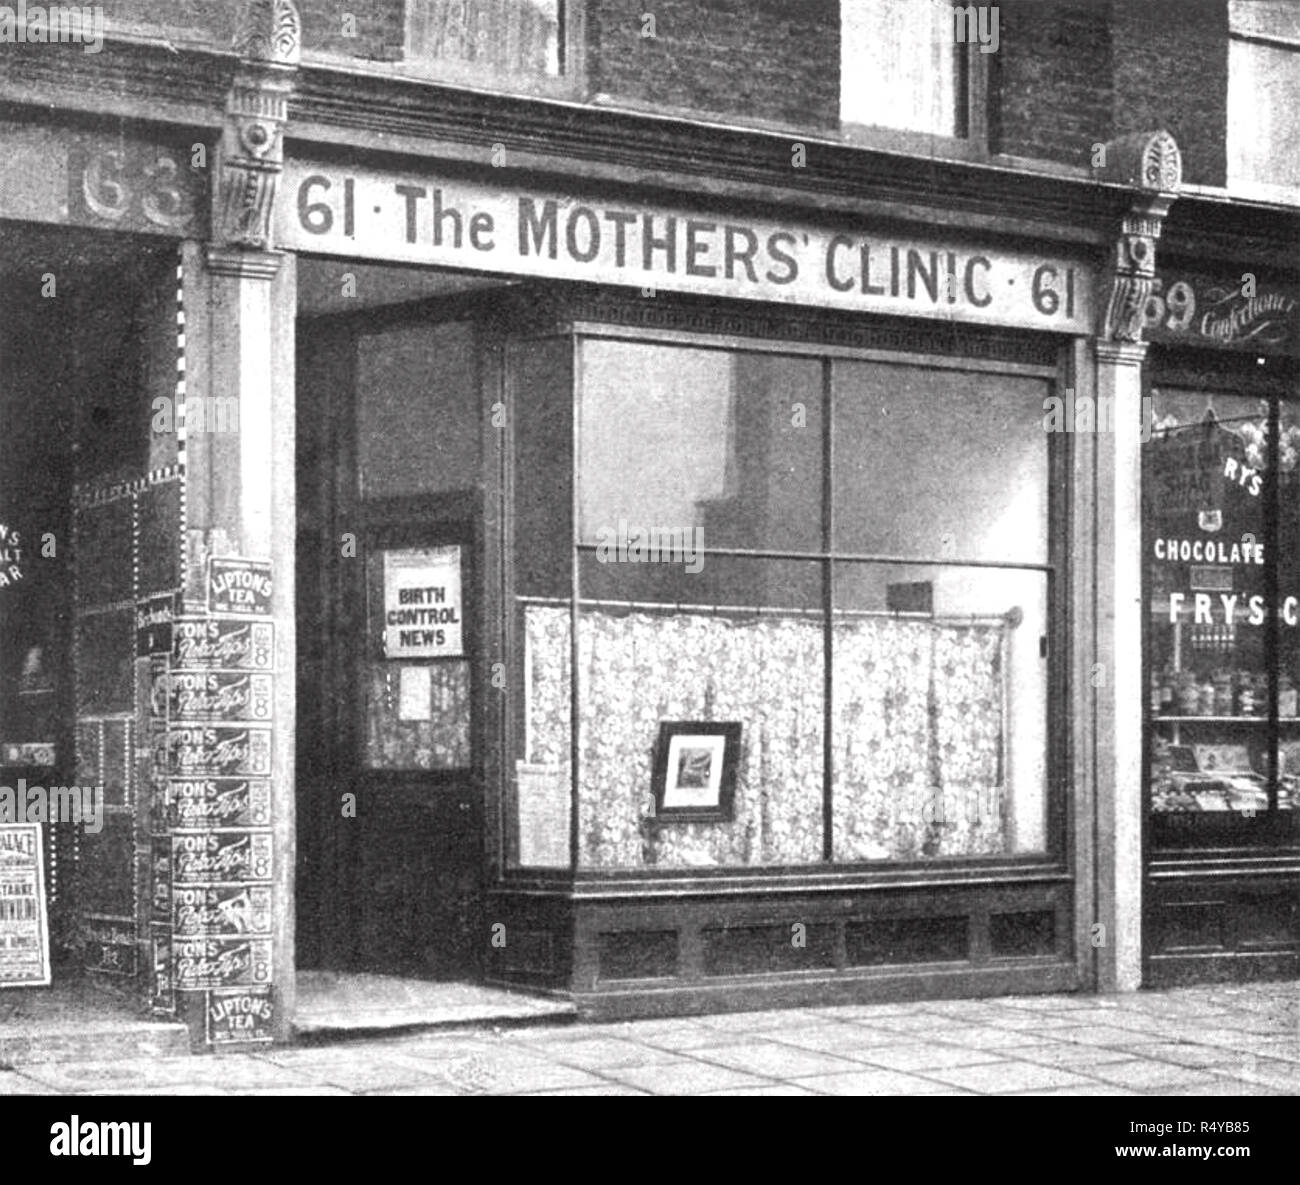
(1011,618)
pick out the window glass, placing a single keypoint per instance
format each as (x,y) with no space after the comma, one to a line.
(724,448)
(940,711)
(402,448)
(1223,597)
(899,65)
(1263,94)
(939,464)
(718,659)
(709,605)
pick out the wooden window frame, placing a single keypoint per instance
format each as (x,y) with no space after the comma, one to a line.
(973,140)
(1058,568)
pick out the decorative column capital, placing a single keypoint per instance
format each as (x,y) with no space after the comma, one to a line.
(1150,163)
(269,31)
(250,157)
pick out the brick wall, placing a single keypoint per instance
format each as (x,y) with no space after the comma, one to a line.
(751,59)
(1171,71)
(379,24)
(1052,74)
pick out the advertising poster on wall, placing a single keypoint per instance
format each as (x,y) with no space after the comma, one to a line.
(24,923)
(423,614)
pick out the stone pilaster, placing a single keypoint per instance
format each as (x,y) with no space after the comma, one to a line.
(1150,163)
(240,298)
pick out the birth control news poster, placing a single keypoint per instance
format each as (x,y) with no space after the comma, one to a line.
(24,932)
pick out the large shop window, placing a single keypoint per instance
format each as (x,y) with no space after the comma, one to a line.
(846,564)
(1222,543)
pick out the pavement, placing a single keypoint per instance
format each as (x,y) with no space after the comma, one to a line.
(1223,1040)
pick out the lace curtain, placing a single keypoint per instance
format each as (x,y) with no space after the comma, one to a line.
(919,733)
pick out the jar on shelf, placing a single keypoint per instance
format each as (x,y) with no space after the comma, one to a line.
(1223,693)
(1248,701)
(1168,681)
(1189,695)
(1206,697)
(1286,697)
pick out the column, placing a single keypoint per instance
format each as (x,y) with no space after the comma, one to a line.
(1152,165)
(234,982)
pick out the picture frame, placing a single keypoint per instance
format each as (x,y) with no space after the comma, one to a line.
(695,770)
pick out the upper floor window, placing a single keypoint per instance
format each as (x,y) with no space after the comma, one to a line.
(914,65)
(499,37)
(1263,93)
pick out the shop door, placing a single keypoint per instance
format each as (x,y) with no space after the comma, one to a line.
(395,849)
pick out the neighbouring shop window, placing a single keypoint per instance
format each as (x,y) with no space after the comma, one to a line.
(875,587)
(1221,483)
(1263,91)
(906,64)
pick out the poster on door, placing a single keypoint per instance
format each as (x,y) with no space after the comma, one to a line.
(24,932)
(422,603)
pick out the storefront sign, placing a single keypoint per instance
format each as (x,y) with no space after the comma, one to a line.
(162,997)
(1237,312)
(160,859)
(218,751)
(239,1017)
(27,753)
(106,180)
(153,625)
(466,224)
(219,856)
(24,928)
(202,963)
(219,802)
(221,909)
(108,946)
(11,556)
(422,603)
(213,695)
(238,587)
(224,643)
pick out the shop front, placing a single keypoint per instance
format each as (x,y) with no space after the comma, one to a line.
(1221,555)
(703,593)
(697,603)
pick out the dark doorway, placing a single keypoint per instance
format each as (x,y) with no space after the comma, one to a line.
(391,846)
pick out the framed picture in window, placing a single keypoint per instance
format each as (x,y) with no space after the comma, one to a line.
(695,770)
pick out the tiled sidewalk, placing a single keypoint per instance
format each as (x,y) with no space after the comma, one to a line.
(1195,1041)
